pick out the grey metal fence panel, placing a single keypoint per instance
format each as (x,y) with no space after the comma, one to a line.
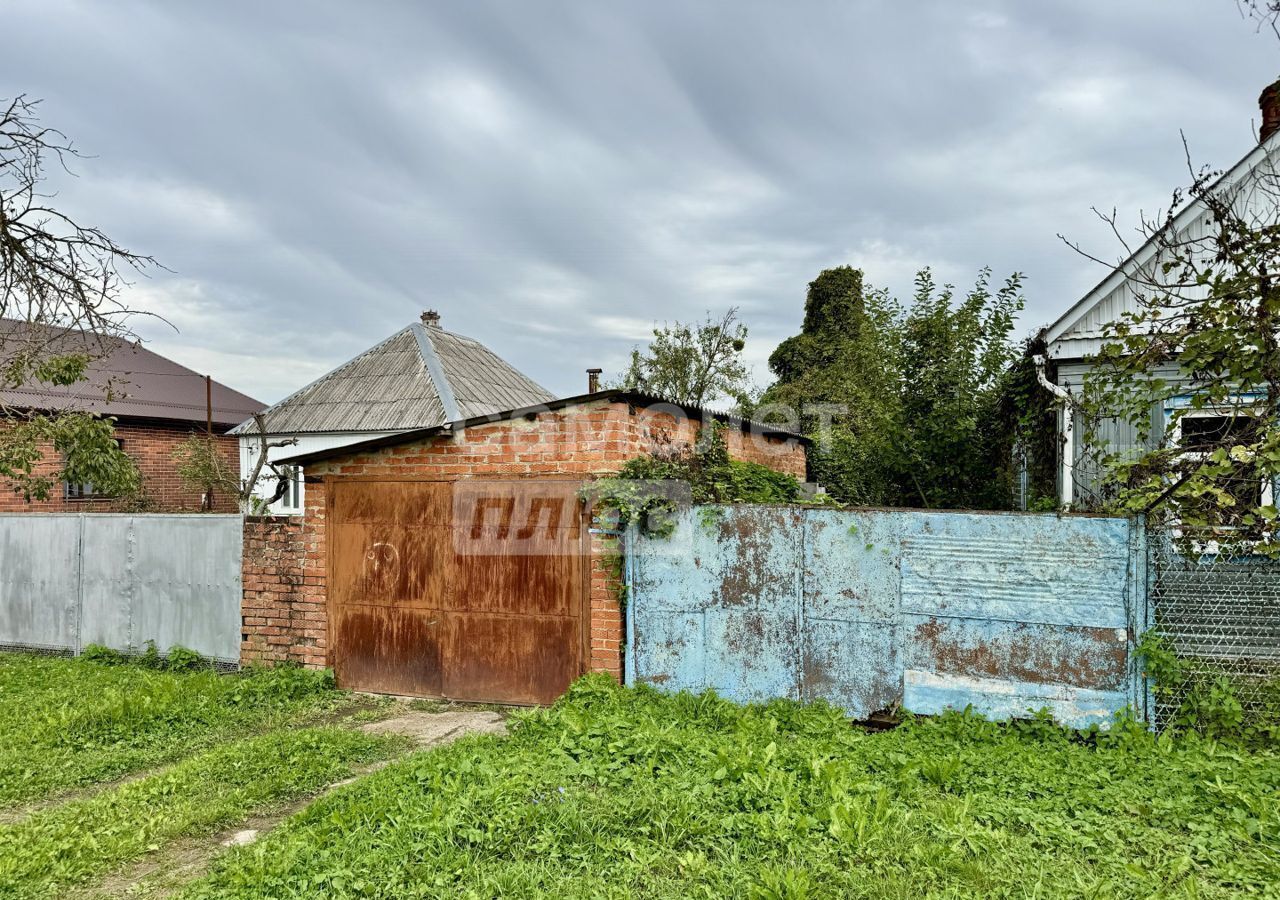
(67,581)
(187,583)
(106,582)
(871,609)
(40,582)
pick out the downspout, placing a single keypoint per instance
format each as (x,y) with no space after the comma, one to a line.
(1066,482)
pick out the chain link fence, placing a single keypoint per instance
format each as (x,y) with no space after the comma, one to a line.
(1219,613)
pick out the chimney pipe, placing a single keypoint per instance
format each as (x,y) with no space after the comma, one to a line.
(431,317)
(1269,103)
(593,380)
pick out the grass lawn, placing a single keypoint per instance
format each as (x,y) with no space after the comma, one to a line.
(238,746)
(617,793)
(67,723)
(611,793)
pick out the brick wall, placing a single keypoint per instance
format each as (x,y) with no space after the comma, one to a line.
(281,620)
(588,441)
(151,446)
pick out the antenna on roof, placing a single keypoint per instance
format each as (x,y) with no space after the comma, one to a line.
(431,317)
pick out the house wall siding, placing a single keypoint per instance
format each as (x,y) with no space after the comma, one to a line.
(1109,435)
(586,441)
(151,446)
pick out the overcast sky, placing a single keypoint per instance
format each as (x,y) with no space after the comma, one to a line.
(553,177)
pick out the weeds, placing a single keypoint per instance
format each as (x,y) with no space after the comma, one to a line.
(621,792)
(1208,698)
(77,841)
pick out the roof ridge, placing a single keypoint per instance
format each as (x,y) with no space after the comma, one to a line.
(435,371)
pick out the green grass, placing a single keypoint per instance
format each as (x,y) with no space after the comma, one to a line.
(67,723)
(617,793)
(77,841)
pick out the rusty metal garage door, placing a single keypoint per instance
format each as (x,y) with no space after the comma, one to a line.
(469,590)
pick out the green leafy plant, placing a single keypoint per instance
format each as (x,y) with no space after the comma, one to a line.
(1207,699)
(631,792)
(906,404)
(1200,346)
(642,491)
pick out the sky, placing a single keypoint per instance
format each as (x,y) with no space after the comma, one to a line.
(556,177)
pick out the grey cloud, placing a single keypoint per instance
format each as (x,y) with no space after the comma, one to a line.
(555,175)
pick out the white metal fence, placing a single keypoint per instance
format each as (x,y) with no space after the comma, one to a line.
(71,580)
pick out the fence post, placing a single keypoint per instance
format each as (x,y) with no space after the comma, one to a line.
(79,648)
(1139,613)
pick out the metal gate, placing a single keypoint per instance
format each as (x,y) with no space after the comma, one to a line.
(471,590)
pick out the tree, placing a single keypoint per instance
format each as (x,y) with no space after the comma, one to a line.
(955,366)
(904,405)
(202,466)
(837,381)
(1265,12)
(57,279)
(1194,368)
(694,364)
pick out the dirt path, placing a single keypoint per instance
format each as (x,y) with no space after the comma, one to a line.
(165,872)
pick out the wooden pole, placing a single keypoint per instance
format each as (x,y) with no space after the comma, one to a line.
(208,430)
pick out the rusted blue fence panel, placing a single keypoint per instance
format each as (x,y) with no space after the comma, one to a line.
(1012,613)
(872,609)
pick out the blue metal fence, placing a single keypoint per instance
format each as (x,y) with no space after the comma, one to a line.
(873,609)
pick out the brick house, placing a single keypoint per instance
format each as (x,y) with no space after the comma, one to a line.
(157,404)
(457,561)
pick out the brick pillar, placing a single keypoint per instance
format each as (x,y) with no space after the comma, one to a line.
(280,622)
(607,625)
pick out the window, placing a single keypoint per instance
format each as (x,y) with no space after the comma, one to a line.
(1199,432)
(292,496)
(1203,432)
(86,490)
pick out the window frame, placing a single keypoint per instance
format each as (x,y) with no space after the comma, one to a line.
(1243,404)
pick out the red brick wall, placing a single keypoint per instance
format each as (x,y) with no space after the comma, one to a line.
(281,621)
(151,446)
(587,441)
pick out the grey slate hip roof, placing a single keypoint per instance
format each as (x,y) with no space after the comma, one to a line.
(420,377)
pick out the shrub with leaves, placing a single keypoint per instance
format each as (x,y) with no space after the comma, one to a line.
(905,404)
(648,488)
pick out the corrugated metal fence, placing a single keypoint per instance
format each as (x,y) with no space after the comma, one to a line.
(873,609)
(67,581)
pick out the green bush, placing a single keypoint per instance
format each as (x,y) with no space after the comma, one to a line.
(637,492)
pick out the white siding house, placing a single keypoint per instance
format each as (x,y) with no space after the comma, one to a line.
(1077,335)
(420,377)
